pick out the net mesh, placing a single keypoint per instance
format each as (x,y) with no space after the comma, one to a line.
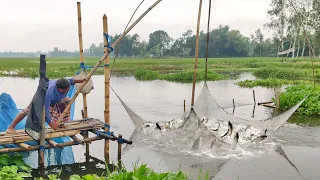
(206,106)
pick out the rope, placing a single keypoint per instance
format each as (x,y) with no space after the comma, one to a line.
(117,50)
(120,140)
(207,47)
(82,66)
(42,148)
(108,42)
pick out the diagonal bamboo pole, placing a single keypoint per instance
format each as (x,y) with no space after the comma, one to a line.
(196,55)
(107,89)
(102,59)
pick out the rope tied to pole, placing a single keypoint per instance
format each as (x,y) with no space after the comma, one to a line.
(42,148)
(82,66)
(109,39)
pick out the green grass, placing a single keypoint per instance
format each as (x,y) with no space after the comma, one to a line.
(66,67)
(294,94)
(185,76)
(269,83)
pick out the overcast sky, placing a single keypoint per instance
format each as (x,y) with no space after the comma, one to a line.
(31,25)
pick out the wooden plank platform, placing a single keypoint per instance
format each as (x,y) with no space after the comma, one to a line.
(72,128)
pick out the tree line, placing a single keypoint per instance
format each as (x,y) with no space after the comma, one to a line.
(290,20)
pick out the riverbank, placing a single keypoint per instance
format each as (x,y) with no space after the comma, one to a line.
(291,69)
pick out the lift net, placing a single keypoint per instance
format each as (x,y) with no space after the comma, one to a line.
(206,106)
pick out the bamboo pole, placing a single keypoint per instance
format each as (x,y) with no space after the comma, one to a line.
(23,145)
(54,144)
(119,152)
(47,136)
(103,58)
(42,138)
(254,97)
(85,106)
(76,139)
(234,106)
(48,146)
(196,56)
(107,88)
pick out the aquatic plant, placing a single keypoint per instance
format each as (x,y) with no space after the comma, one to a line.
(185,76)
(141,172)
(280,73)
(269,83)
(13,167)
(294,94)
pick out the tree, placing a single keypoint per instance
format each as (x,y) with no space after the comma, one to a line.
(259,38)
(158,42)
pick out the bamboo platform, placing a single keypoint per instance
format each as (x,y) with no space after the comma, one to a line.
(72,128)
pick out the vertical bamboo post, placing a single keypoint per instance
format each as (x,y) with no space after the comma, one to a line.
(254,98)
(184,105)
(107,87)
(119,152)
(234,107)
(278,100)
(196,55)
(254,108)
(42,138)
(85,107)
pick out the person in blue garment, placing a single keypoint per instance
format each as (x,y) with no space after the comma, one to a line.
(55,101)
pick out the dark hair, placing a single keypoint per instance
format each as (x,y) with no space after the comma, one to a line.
(63,83)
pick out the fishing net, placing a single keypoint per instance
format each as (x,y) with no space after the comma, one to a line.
(207,107)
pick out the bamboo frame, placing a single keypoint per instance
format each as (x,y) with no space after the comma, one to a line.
(85,106)
(107,88)
(22,139)
(103,57)
(48,146)
(196,55)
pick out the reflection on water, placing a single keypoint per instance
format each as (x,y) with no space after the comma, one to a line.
(161,101)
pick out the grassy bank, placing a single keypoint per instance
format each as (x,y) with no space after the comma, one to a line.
(296,93)
(261,67)
(185,76)
(270,83)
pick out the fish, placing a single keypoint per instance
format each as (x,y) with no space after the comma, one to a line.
(230,128)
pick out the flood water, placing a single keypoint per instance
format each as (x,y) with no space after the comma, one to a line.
(162,101)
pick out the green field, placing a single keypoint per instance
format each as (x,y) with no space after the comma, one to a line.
(290,69)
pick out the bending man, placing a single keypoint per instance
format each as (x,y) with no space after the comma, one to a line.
(55,102)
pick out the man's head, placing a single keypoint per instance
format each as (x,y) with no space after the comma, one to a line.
(63,85)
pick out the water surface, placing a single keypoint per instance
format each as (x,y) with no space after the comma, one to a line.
(161,101)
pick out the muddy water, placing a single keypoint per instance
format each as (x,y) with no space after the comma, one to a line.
(161,101)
